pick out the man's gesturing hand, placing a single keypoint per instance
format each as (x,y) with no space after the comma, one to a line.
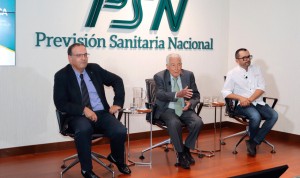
(185,93)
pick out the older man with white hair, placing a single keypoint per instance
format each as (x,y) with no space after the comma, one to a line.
(176,97)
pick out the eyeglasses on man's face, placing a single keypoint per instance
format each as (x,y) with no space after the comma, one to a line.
(245,58)
(81,55)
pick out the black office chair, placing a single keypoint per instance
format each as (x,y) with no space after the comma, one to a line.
(230,111)
(63,129)
(150,86)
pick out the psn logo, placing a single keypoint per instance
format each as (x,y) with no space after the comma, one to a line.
(174,19)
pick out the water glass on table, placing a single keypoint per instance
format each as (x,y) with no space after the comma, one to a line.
(207,101)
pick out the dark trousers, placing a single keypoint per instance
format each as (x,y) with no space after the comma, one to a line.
(108,125)
(174,126)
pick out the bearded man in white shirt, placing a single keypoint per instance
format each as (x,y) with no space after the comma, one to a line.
(246,84)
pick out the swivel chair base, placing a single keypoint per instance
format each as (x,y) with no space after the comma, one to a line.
(95,156)
(244,135)
(196,151)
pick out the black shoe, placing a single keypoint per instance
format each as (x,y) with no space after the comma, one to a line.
(183,161)
(251,147)
(123,168)
(89,174)
(189,155)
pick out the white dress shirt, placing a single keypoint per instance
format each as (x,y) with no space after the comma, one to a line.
(244,83)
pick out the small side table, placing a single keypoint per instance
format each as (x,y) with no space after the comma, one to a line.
(127,114)
(219,105)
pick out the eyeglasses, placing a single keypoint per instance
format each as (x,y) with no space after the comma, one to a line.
(245,58)
(81,55)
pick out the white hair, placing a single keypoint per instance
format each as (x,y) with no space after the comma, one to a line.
(172,55)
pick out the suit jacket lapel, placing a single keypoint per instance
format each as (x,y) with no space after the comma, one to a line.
(95,82)
(167,79)
(74,83)
(92,77)
(183,80)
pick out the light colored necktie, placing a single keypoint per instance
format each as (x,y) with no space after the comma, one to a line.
(178,104)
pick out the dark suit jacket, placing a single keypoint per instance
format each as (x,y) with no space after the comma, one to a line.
(67,94)
(164,94)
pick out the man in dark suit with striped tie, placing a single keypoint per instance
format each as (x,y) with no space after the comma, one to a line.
(176,98)
(79,91)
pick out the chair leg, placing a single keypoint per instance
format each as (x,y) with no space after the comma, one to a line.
(200,153)
(166,142)
(99,156)
(271,145)
(70,165)
(95,158)
(237,144)
(233,135)
(67,159)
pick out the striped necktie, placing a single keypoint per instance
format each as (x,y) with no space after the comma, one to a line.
(84,93)
(178,104)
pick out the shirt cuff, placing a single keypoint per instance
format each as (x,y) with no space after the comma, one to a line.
(176,95)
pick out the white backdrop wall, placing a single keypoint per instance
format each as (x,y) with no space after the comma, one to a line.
(27,109)
(270,29)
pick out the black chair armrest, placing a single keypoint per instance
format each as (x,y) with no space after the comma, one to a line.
(230,106)
(151,106)
(120,114)
(155,121)
(61,118)
(275,100)
(240,118)
(199,108)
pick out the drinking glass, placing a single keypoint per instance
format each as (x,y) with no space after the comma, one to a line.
(133,107)
(215,99)
(207,101)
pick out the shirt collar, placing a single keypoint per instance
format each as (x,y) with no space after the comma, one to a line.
(78,74)
(244,70)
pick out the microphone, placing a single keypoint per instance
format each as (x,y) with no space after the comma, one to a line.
(245,76)
(169,83)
